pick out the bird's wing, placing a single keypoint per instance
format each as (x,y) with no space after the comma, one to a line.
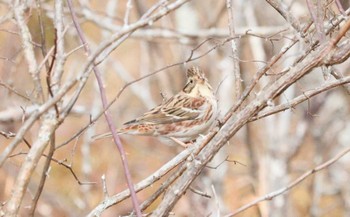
(180,107)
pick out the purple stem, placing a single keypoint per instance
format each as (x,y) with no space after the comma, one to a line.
(107,115)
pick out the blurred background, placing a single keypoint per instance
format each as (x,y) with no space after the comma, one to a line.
(271,152)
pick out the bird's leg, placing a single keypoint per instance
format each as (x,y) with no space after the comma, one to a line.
(179,142)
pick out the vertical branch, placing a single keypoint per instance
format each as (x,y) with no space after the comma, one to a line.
(42,33)
(316,15)
(236,70)
(19,9)
(111,125)
(53,86)
(44,175)
(127,12)
(48,126)
(60,56)
(258,53)
(278,145)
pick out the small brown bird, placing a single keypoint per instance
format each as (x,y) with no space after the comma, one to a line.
(182,117)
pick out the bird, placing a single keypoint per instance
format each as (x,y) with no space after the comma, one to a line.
(182,117)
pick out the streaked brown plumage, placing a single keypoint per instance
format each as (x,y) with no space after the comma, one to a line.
(184,116)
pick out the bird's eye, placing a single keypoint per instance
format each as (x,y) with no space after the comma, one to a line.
(191,81)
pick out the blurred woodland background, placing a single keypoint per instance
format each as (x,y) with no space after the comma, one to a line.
(280,72)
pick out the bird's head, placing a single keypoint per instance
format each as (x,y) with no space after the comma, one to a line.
(197,83)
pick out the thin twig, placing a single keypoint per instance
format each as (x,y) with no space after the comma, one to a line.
(200,193)
(111,125)
(282,9)
(7,135)
(225,160)
(290,186)
(14,91)
(59,162)
(301,98)
(127,12)
(317,18)
(7,59)
(42,32)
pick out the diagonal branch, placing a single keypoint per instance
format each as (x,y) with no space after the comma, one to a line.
(233,124)
(48,126)
(301,178)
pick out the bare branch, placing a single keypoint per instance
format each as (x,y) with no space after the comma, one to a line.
(232,125)
(303,97)
(150,180)
(111,125)
(14,91)
(235,59)
(282,9)
(48,126)
(261,66)
(19,9)
(297,181)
